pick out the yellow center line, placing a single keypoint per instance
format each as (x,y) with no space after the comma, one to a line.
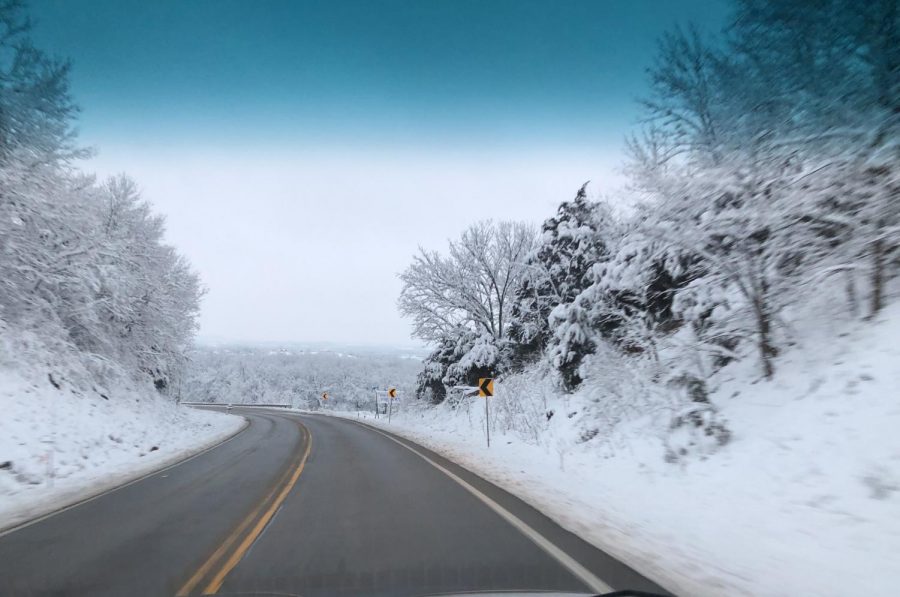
(211,562)
(216,583)
(232,537)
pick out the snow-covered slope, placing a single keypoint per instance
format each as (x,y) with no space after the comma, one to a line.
(63,437)
(803,500)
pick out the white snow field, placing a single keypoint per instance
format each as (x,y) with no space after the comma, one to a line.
(803,500)
(61,445)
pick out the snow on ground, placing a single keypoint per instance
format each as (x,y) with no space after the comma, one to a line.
(804,500)
(61,445)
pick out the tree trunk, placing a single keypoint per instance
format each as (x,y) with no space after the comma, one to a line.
(852,300)
(877,278)
(764,331)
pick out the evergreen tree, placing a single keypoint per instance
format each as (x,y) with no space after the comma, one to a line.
(556,272)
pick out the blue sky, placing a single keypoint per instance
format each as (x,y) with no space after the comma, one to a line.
(301,72)
(300,146)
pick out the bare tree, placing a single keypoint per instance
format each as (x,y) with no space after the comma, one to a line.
(472,286)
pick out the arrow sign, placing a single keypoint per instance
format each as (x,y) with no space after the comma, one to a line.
(486,387)
(324,395)
(392,392)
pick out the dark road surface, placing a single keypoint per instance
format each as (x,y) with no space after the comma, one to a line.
(304,505)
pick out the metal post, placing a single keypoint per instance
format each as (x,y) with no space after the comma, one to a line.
(487,422)
(390,409)
(376,403)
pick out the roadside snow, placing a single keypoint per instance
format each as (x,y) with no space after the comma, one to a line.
(62,445)
(804,500)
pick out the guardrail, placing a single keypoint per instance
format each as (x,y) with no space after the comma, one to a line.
(233,405)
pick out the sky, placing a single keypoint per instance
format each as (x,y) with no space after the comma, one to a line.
(302,151)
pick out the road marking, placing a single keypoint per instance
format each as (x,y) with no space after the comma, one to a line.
(216,583)
(217,555)
(195,579)
(583,574)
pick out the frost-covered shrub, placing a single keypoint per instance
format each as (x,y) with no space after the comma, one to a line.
(523,403)
(696,430)
(480,360)
(430,381)
(572,340)
(619,388)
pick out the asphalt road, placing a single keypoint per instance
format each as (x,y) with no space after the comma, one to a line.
(304,505)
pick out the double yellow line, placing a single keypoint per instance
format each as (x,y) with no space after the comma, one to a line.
(217,566)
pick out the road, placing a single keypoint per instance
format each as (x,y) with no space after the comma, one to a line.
(304,505)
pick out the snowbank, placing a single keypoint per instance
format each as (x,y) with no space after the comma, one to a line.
(59,445)
(803,500)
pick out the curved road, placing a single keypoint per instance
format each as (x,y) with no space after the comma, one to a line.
(304,505)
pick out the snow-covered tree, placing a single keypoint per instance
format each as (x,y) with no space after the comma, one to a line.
(766,173)
(81,262)
(472,286)
(555,272)
(462,302)
(36,109)
(832,78)
(750,159)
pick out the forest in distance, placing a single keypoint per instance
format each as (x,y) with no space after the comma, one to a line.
(312,379)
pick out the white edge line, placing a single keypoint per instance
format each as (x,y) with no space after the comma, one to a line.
(44,517)
(583,574)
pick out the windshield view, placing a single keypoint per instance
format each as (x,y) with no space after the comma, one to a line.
(401,298)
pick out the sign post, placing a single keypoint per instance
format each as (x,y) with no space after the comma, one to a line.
(486,390)
(392,393)
(376,401)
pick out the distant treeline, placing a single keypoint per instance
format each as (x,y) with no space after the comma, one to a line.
(251,375)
